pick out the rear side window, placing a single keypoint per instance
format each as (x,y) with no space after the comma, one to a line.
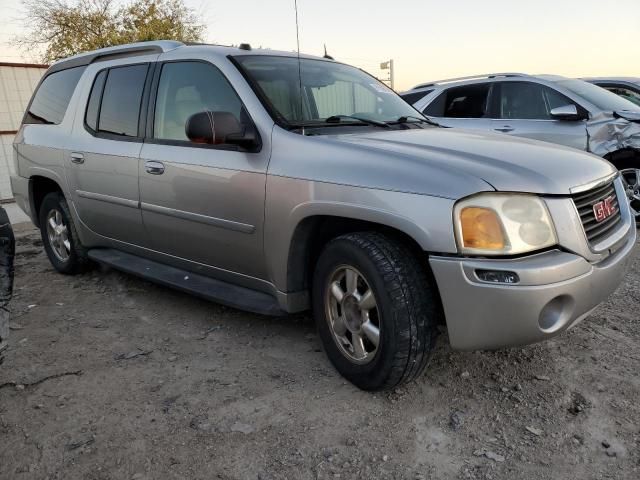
(522,100)
(120,107)
(115,99)
(468,101)
(412,97)
(52,98)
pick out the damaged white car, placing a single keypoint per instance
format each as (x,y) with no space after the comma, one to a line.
(542,107)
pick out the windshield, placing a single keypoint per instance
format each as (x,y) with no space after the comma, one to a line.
(329,89)
(601,98)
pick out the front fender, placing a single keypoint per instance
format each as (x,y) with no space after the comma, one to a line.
(427,220)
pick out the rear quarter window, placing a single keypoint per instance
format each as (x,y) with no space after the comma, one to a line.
(52,97)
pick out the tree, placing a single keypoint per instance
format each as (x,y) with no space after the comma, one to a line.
(60,28)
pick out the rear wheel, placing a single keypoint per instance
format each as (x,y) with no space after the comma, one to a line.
(376,310)
(59,236)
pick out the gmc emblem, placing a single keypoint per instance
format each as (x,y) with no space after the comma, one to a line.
(604,209)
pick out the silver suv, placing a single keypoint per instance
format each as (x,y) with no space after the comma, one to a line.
(542,107)
(276,183)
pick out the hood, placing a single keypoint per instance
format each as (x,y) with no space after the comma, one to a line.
(506,163)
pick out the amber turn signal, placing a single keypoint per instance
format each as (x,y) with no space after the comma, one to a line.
(481,228)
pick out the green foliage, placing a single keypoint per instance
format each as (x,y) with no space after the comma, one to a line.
(66,27)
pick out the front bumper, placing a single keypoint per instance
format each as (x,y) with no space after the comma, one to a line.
(556,290)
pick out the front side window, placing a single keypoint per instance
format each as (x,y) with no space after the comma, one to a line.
(522,101)
(121,99)
(186,88)
(50,102)
(468,101)
(329,90)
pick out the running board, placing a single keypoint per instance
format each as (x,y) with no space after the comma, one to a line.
(199,285)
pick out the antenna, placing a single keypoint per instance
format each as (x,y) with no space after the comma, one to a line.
(295,5)
(326,55)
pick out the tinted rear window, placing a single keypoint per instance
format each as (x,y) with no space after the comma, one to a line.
(120,108)
(51,100)
(413,97)
(468,101)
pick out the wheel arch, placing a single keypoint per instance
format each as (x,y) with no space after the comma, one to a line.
(313,231)
(624,158)
(39,187)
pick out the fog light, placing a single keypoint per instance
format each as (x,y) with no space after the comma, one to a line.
(497,276)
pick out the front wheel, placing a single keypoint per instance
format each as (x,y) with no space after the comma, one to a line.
(631,179)
(376,309)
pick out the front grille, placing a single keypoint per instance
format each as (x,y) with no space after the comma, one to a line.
(584,202)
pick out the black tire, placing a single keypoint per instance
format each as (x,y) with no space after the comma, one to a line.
(77,260)
(408,308)
(629,167)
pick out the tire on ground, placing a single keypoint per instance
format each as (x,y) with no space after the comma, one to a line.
(78,260)
(409,308)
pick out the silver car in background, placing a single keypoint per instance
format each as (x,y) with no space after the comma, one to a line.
(625,87)
(550,108)
(278,183)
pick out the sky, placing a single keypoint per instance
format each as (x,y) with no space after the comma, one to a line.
(427,39)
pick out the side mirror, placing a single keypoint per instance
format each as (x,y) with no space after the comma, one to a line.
(567,112)
(219,128)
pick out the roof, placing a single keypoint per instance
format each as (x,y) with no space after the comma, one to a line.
(161,46)
(482,77)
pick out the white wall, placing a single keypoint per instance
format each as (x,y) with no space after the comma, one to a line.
(16,86)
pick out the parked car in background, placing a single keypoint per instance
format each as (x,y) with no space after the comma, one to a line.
(7,252)
(551,108)
(626,87)
(276,183)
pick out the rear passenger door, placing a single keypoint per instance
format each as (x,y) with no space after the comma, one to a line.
(523,109)
(200,202)
(462,107)
(102,160)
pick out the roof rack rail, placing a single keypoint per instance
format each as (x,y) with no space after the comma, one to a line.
(129,49)
(471,77)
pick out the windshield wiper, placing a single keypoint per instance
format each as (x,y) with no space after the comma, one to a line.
(339,118)
(406,118)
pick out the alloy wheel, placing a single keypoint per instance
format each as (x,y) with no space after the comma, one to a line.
(631,178)
(58,235)
(352,314)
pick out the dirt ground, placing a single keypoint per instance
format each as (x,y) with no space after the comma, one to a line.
(110,377)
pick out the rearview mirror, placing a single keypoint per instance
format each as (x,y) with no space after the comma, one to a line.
(567,112)
(219,128)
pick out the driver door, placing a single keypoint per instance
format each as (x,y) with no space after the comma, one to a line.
(203,203)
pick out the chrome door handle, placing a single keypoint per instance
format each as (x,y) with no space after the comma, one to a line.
(505,129)
(77,158)
(154,168)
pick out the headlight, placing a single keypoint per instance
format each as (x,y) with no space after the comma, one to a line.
(503,224)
